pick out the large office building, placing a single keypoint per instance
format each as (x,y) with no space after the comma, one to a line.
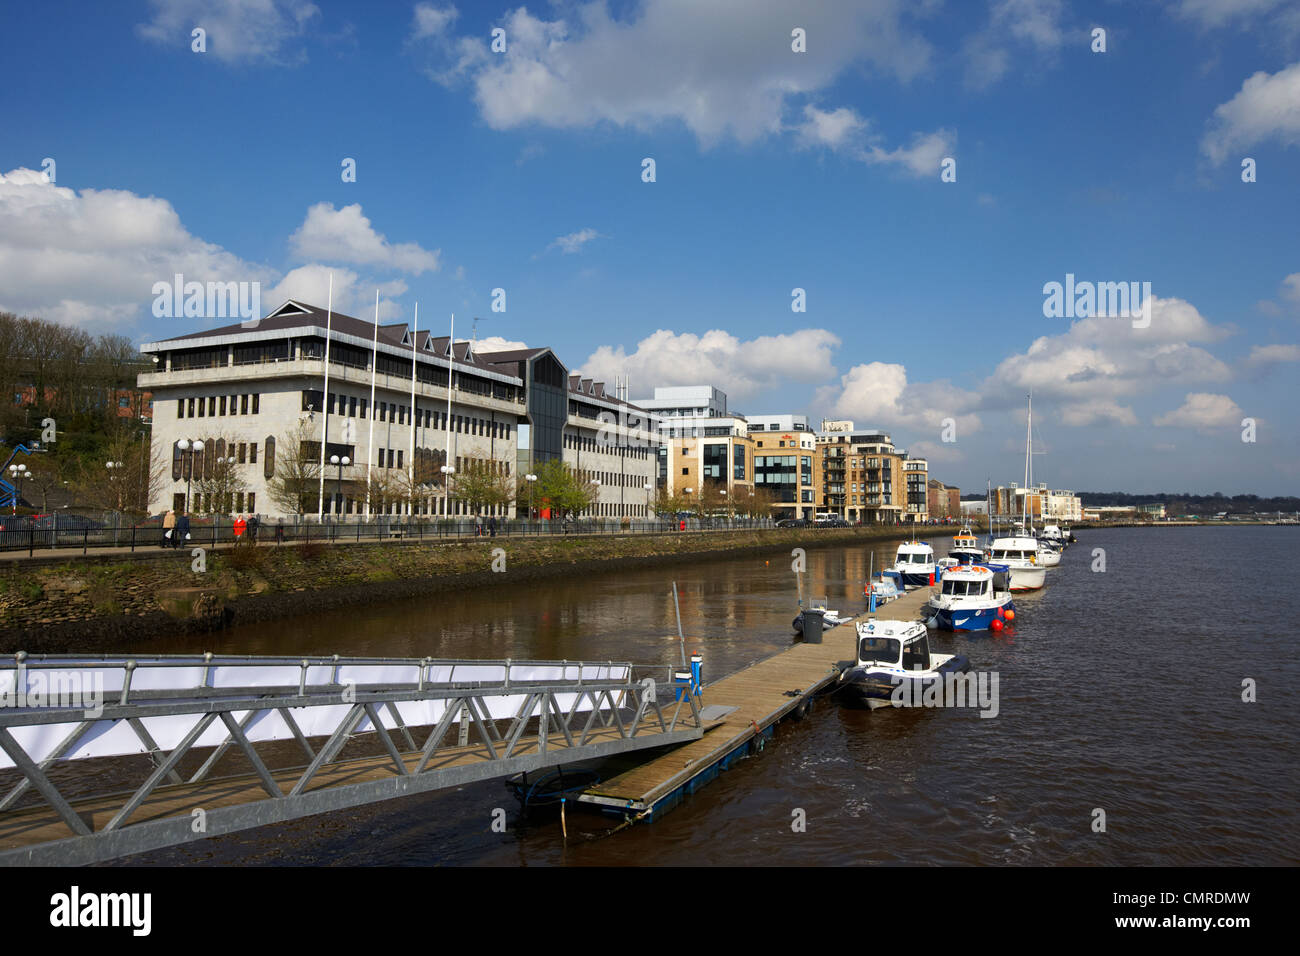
(382,404)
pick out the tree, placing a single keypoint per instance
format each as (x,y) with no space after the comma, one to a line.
(562,489)
(295,481)
(668,503)
(483,485)
(134,480)
(216,484)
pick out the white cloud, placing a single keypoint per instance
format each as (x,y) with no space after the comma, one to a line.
(1204,410)
(431,21)
(723,69)
(91,258)
(574,241)
(741,368)
(353,294)
(1098,360)
(345,235)
(1272,355)
(495,343)
(237,30)
(878,394)
(843,130)
(1266,108)
(1216,13)
(1022,26)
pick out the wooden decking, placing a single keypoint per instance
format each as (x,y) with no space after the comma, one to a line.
(761,694)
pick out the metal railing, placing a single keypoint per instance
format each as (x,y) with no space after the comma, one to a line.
(204,712)
(83,533)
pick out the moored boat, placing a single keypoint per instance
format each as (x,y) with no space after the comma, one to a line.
(914,562)
(972,598)
(1020,554)
(965,547)
(891,655)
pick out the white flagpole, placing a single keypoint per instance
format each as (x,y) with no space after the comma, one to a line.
(451,369)
(410,457)
(374,366)
(325,402)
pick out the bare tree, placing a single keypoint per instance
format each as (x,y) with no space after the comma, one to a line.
(294,484)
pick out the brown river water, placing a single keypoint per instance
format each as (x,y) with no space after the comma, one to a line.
(1118,690)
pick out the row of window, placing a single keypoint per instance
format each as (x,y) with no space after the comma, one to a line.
(352,406)
(200,465)
(216,406)
(584,443)
(614,479)
(227,504)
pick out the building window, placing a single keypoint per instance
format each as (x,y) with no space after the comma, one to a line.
(257,403)
(252,501)
(268,459)
(243,404)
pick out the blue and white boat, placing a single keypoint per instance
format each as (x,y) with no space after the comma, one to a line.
(971,598)
(965,547)
(914,563)
(891,654)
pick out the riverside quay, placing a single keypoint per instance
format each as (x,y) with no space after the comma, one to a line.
(251,392)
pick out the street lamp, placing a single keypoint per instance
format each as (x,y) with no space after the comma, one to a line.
(530,479)
(189,449)
(338,486)
(116,485)
(16,475)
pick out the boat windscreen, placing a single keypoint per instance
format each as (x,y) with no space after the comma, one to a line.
(881,649)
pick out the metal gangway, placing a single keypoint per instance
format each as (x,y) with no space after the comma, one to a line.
(108,756)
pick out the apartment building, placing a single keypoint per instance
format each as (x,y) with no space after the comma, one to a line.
(391,407)
(862,477)
(916,474)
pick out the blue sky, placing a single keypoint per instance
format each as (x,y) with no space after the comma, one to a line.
(775,170)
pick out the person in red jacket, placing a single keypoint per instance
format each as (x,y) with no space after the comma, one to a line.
(240,525)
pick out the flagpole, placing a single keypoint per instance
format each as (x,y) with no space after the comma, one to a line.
(410,458)
(451,369)
(374,366)
(325,401)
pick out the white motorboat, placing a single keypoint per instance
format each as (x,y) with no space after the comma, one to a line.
(915,564)
(891,655)
(1020,554)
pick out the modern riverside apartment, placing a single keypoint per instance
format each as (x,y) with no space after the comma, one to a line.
(381,405)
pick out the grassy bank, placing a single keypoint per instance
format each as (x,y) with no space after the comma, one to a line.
(118,606)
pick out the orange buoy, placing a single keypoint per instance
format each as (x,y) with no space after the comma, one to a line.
(1011,615)
(996,625)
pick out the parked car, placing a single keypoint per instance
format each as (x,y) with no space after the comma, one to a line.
(792,523)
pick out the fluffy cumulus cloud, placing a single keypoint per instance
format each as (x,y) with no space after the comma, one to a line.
(1266,109)
(878,394)
(92,257)
(237,30)
(1204,410)
(1088,369)
(495,343)
(723,69)
(352,294)
(346,235)
(1266,355)
(743,368)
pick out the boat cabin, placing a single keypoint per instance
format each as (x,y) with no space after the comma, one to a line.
(898,644)
(968,581)
(915,552)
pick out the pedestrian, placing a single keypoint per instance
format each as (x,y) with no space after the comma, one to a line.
(478,525)
(240,526)
(492,526)
(252,530)
(279,531)
(182,532)
(169,529)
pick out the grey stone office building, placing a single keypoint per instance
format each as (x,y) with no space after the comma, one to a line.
(244,390)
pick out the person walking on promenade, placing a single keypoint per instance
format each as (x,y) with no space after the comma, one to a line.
(252,530)
(492,526)
(169,529)
(279,531)
(240,526)
(478,525)
(182,531)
